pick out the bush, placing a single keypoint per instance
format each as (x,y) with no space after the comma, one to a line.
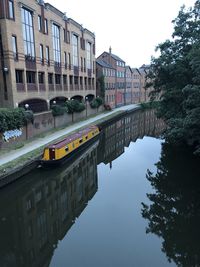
(58,110)
(75,106)
(11,119)
(97,102)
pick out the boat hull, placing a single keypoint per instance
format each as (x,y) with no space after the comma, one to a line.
(70,157)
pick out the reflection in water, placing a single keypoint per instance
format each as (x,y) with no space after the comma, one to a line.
(37,211)
(174,212)
(119,134)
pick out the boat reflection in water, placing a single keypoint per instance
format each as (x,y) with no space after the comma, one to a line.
(38,210)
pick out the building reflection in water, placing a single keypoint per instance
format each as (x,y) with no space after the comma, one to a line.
(38,210)
(119,134)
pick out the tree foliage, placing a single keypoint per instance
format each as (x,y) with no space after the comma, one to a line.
(96,103)
(175,76)
(74,105)
(101,81)
(11,119)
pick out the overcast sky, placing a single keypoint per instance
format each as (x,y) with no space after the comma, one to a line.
(131,27)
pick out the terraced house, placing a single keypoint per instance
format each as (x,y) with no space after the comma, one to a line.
(45,57)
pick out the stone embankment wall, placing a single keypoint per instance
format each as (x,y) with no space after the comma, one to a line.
(44,122)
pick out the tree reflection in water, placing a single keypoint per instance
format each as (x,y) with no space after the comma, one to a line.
(174,211)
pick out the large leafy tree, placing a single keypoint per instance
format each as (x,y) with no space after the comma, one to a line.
(175,76)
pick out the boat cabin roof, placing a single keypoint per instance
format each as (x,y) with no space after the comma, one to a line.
(72,137)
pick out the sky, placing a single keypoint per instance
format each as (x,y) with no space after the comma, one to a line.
(132,28)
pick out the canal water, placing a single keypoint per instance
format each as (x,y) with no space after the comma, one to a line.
(129,200)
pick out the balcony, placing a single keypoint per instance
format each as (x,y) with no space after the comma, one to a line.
(20,87)
(32,87)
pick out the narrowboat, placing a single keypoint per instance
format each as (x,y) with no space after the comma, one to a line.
(62,151)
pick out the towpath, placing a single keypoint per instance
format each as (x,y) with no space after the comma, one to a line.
(38,142)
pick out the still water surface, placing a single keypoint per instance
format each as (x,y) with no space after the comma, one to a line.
(96,211)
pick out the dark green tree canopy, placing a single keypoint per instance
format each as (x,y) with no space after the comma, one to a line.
(175,76)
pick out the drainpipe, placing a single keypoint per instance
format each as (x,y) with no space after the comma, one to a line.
(3,68)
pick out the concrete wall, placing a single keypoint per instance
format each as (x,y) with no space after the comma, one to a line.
(44,122)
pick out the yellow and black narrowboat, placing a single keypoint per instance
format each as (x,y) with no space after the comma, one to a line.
(64,150)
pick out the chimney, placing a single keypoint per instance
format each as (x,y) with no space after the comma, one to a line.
(110,52)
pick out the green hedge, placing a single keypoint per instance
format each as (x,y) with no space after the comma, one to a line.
(70,106)
(11,119)
(75,106)
(97,102)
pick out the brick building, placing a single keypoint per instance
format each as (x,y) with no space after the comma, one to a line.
(44,56)
(105,72)
(119,66)
(128,86)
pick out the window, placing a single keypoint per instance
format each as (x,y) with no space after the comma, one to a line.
(41,77)
(28,36)
(56,44)
(47,55)
(65,59)
(75,49)
(30,77)
(39,23)
(19,76)
(11,9)
(14,47)
(46,26)
(75,79)
(41,54)
(57,78)
(50,78)
(69,60)
(88,50)
(64,79)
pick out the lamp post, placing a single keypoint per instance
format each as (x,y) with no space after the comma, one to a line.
(86,99)
(26,108)
(54,117)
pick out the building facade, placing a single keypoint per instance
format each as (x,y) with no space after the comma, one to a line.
(128,86)
(106,82)
(119,66)
(45,57)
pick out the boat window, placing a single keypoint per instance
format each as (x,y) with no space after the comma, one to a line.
(81,140)
(66,148)
(86,137)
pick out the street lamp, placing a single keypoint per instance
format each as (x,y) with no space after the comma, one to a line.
(26,106)
(86,99)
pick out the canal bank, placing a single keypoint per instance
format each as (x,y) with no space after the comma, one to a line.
(17,163)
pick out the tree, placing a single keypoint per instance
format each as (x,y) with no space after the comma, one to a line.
(175,76)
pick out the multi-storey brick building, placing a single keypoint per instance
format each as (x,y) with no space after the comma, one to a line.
(44,56)
(128,86)
(119,66)
(106,75)
(136,85)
